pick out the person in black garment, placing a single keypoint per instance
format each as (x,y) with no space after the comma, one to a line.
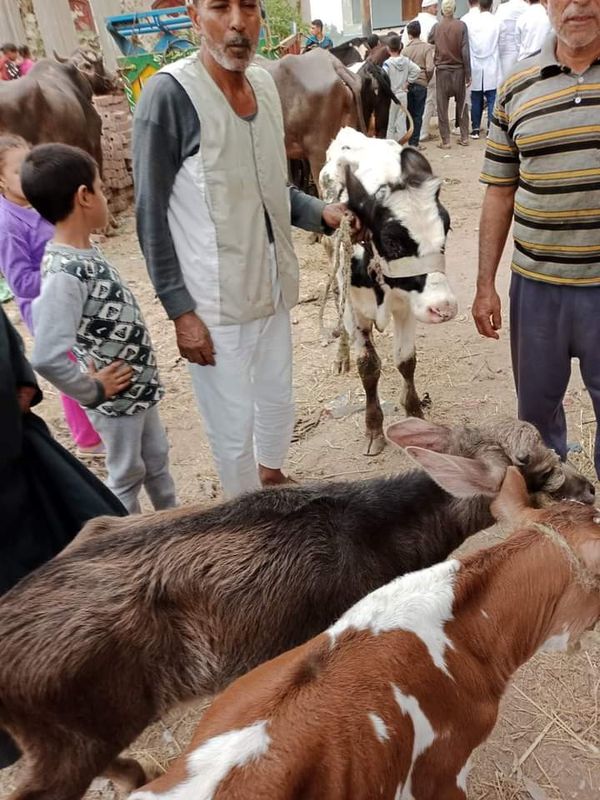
(46,494)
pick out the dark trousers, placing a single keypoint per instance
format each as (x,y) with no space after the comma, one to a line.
(477,107)
(417,96)
(451,83)
(550,325)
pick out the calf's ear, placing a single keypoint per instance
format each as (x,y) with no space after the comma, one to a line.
(359,200)
(513,497)
(415,167)
(419,433)
(460,477)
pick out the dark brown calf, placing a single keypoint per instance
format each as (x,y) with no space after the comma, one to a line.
(392,700)
(138,615)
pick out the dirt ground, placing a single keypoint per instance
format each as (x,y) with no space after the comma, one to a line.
(547,740)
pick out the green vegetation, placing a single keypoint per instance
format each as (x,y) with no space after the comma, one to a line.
(281,14)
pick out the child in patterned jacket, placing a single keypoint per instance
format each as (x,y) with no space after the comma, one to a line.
(84,306)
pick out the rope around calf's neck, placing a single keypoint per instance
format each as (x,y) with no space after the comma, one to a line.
(342,258)
(587,579)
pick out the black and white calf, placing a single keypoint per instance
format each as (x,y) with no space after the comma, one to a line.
(400,274)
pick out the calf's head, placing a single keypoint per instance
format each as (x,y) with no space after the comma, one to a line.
(477,458)
(394,193)
(570,532)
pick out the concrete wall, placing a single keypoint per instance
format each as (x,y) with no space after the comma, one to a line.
(102,9)
(11,25)
(55,21)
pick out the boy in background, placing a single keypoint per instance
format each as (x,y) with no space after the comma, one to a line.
(84,306)
(402,73)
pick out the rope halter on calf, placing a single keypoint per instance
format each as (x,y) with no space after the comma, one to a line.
(342,259)
(379,270)
(584,577)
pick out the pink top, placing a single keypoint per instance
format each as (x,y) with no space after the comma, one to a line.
(26,65)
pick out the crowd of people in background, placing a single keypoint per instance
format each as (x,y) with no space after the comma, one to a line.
(465,59)
(15,62)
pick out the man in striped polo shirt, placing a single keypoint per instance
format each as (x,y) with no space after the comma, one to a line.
(542,166)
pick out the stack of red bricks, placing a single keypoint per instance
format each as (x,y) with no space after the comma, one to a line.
(116,150)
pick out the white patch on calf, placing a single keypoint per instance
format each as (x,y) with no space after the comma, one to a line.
(381,730)
(424,735)
(213,761)
(363,302)
(461,778)
(417,209)
(559,643)
(420,602)
(374,161)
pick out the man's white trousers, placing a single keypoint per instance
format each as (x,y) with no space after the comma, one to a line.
(246,399)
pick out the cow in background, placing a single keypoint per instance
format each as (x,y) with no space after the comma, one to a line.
(319,96)
(400,274)
(53,102)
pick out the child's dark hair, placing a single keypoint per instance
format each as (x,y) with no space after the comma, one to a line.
(414,29)
(51,175)
(24,51)
(9,47)
(395,44)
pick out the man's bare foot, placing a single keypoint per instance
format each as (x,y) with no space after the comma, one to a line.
(273,477)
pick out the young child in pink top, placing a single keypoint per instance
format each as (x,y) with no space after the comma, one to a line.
(23,238)
(26,62)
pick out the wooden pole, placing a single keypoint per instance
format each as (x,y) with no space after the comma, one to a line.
(367,27)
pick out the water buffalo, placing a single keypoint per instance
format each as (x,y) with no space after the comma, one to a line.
(91,65)
(53,103)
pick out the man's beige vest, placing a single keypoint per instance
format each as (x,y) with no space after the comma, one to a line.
(239,172)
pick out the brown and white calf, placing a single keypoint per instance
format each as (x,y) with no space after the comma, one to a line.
(394,193)
(140,614)
(391,701)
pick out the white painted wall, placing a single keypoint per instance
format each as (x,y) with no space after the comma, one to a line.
(55,21)
(11,26)
(330,11)
(102,9)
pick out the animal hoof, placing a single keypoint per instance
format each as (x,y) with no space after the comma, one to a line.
(414,407)
(375,444)
(342,366)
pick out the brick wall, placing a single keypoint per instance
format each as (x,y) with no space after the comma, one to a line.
(116,150)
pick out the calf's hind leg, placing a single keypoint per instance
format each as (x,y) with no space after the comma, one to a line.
(369,369)
(406,359)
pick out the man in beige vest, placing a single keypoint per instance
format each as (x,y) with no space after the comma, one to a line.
(213,211)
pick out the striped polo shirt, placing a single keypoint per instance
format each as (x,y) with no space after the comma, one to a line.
(544,139)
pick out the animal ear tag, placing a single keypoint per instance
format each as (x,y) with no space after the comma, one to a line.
(419,433)
(460,477)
